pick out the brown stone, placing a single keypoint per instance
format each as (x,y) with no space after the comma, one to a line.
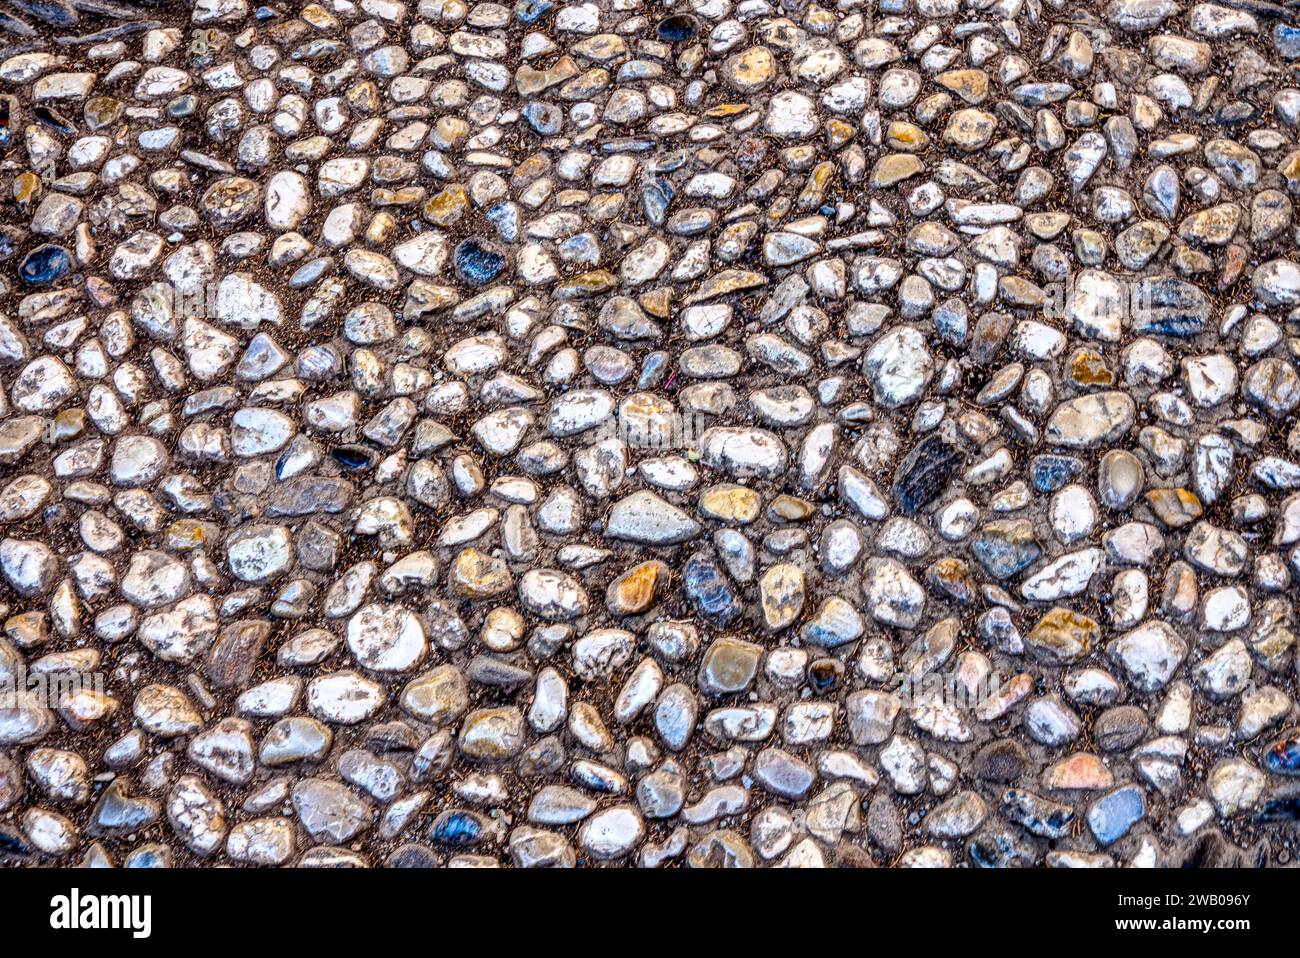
(1063,636)
(637,589)
(233,657)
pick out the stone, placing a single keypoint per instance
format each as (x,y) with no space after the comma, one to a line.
(1111,816)
(924,474)
(645,518)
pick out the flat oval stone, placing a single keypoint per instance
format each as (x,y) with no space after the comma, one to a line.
(44,265)
(1091,420)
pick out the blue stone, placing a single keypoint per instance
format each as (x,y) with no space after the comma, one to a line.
(55,14)
(1050,472)
(1287,40)
(1235,113)
(653,370)
(457,828)
(45,264)
(54,121)
(546,118)
(354,458)
(677,29)
(311,272)
(282,463)
(1283,756)
(1036,814)
(823,675)
(1112,815)
(668,162)
(709,592)
(999,849)
(924,474)
(952,321)
(12,843)
(1169,306)
(478,262)
(147,858)
(530,11)
(580,249)
(505,217)
(656,196)
(985,853)
(183,106)
(1280,810)
(1006,547)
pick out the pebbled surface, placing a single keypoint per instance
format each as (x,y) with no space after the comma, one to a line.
(721,434)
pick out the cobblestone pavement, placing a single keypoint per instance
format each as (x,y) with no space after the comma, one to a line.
(709,434)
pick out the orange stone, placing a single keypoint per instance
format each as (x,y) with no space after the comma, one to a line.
(1063,635)
(636,589)
(1082,771)
(476,575)
(1175,507)
(1089,369)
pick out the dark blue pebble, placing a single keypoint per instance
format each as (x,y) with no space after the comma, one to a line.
(1050,472)
(1169,306)
(709,592)
(355,458)
(1236,113)
(12,842)
(45,264)
(1283,756)
(952,321)
(677,29)
(822,680)
(456,828)
(54,14)
(54,121)
(925,473)
(477,262)
(1280,810)
(653,370)
(998,850)
(1001,556)
(656,196)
